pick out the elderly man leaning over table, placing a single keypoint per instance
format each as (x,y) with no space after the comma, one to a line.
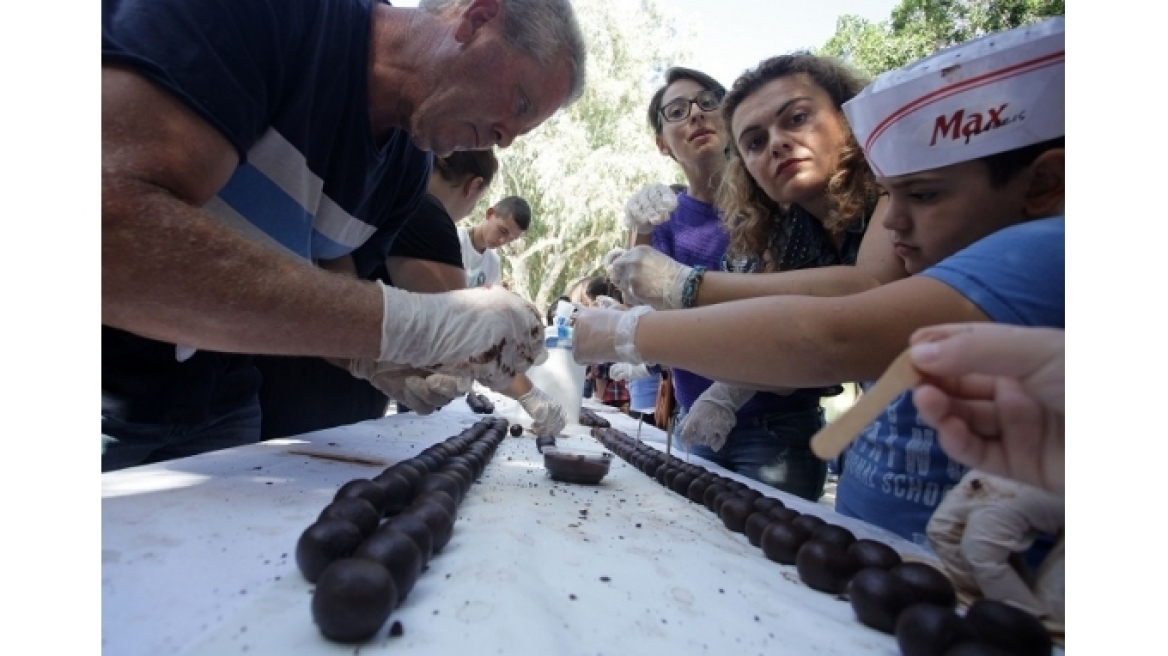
(242,143)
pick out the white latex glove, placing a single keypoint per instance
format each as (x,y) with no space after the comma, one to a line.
(548,416)
(608,302)
(625,371)
(649,208)
(422,391)
(612,255)
(488,334)
(981,523)
(712,416)
(649,277)
(606,335)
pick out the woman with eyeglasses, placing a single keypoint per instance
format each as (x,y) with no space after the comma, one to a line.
(799,197)
(684,226)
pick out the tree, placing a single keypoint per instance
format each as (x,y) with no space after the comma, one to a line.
(578,169)
(918,28)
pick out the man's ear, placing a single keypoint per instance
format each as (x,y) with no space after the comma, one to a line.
(474,17)
(1047,188)
(471,186)
(490,213)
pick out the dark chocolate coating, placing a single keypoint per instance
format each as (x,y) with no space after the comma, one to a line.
(750,494)
(362,488)
(928,630)
(878,598)
(870,553)
(722,498)
(396,552)
(398,491)
(765,504)
(418,531)
(323,542)
(441,498)
(756,523)
(356,510)
(929,584)
(516,430)
(680,483)
(785,515)
(712,491)
(408,472)
(825,566)
(1008,628)
(433,461)
(440,522)
(781,541)
(461,473)
(353,598)
(834,534)
(697,489)
(976,649)
(734,512)
(809,522)
(445,482)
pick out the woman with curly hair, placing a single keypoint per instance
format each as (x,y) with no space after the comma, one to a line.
(797,197)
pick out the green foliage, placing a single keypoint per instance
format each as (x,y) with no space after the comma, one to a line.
(578,169)
(918,28)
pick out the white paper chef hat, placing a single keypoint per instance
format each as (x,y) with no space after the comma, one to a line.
(993,94)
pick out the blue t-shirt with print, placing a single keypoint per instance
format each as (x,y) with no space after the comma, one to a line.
(285,82)
(895,474)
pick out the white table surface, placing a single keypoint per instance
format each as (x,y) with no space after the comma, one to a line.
(198,557)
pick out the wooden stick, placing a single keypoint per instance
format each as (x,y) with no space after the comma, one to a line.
(339,458)
(832,439)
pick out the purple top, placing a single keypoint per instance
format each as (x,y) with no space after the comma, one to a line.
(694,235)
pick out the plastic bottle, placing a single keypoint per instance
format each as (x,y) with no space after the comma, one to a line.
(564,312)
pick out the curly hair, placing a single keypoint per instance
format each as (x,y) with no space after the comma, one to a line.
(751,214)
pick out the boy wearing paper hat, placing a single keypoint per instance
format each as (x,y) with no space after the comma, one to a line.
(968,145)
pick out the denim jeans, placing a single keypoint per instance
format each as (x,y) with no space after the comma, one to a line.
(774,449)
(125,444)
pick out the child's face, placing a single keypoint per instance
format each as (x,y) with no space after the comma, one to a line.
(790,134)
(933,214)
(499,229)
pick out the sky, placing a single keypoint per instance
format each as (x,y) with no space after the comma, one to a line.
(734,35)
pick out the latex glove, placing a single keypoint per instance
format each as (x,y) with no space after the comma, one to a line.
(649,277)
(488,334)
(606,335)
(649,208)
(608,302)
(625,371)
(712,416)
(981,523)
(549,416)
(422,391)
(612,255)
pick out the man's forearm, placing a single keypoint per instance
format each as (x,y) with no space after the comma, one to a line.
(172,273)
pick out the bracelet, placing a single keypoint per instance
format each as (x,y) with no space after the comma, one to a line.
(689,292)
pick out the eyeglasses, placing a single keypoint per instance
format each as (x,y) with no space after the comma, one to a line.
(678,108)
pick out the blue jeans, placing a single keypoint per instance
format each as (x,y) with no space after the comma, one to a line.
(126,444)
(774,449)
